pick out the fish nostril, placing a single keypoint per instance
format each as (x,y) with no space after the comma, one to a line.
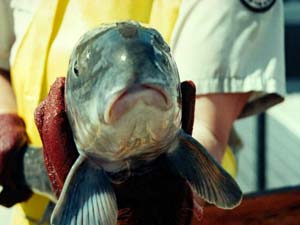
(128,30)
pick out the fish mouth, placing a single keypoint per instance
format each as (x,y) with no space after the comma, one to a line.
(125,100)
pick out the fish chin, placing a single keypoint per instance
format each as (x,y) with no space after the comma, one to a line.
(144,131)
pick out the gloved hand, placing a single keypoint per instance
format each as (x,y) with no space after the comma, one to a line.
(188,91)
(12,140)
(58,145)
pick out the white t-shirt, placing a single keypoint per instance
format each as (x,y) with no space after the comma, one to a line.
(223,46)
(15,17)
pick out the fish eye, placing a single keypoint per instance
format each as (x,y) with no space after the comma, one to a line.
(164,60)
(157,38)
(75,68)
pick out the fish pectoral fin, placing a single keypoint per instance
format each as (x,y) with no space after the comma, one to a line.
(192,161)
(87,197)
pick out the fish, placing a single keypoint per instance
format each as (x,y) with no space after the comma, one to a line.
(123,103)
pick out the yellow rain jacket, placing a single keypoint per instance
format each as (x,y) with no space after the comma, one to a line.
(45,49)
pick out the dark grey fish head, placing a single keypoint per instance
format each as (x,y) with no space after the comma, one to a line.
(123,92)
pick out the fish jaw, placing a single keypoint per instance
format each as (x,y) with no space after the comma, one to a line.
(126,99)
(144,131)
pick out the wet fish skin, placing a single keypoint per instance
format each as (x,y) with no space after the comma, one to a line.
(109,65)
(106,62)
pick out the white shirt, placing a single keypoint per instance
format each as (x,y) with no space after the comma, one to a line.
(15,17)
(225,47)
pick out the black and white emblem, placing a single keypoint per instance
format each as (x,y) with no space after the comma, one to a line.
(258,5)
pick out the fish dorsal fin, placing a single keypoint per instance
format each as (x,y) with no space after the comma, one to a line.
(192,161)
(87,197)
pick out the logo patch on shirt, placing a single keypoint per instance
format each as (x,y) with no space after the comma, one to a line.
(258,5)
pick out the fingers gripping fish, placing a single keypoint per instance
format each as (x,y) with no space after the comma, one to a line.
(124,107)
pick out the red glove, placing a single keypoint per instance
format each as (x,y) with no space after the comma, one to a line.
(188,91)
(58,146)
(12,140)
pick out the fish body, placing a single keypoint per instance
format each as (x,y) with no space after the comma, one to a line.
(124,106)
(122,94)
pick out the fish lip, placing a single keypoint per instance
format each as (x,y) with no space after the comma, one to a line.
(159,90)
(122,93)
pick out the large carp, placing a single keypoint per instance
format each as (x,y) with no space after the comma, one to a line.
(124,106)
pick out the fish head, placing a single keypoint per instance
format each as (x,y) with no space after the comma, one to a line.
(123,93)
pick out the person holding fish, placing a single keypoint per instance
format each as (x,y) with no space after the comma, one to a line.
(233,52)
